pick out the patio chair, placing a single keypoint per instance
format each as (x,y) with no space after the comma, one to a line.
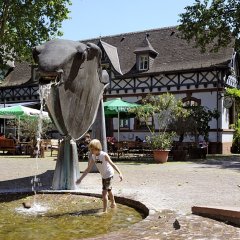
(54,146)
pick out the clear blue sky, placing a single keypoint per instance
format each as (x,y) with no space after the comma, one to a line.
(94,18)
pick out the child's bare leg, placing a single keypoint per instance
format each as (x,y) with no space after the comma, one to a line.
(112,199)
(105,200)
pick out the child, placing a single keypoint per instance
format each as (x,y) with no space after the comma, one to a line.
(106,168)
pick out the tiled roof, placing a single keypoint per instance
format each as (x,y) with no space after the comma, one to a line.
(21,74)
(174,53)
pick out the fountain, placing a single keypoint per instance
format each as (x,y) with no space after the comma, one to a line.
(60,216)
(72,85)
(77,82)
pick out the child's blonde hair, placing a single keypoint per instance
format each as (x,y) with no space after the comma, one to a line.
(95,144)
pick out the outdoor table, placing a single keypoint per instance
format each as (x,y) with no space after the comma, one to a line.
(25,147)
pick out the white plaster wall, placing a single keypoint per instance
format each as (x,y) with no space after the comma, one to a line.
(227,137)
(130,136)
(225,116)
(208,99)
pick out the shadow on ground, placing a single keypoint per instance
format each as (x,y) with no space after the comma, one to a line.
(219,161)
(25,183)
(222,162)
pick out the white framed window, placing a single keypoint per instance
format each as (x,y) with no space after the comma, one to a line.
(190,103)
(143,62)
(124,123)
(141,124)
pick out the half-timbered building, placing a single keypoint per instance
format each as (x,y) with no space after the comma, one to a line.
(154,61)
(159,61)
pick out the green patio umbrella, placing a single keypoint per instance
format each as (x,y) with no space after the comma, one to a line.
(19,112)
(117,107)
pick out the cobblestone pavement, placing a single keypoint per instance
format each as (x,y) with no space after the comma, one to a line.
(169,190)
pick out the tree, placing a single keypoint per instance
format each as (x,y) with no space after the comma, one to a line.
(29,127)
(27,23)
(199,119)
(235,93)
(163,109)
(212,24)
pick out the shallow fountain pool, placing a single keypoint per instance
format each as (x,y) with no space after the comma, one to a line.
(60,216)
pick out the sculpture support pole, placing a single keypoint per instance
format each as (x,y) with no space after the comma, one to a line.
(99,130)
(67,167)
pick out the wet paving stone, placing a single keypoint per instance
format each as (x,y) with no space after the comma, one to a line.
(160,226)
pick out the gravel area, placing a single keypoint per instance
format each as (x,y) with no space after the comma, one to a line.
(171,189)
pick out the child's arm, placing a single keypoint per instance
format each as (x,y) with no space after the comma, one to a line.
(86,171)
(108,159)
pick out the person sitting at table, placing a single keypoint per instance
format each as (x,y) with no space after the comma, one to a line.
(2,136)
(26,145)
(111,144)
(10,136)
(138,139)
(17,146)
(83,145)
(25,139)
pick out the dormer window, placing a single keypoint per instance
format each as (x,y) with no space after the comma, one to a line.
(145,55)
(143,62)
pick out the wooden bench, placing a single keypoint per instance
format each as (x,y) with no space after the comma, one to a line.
(8,145)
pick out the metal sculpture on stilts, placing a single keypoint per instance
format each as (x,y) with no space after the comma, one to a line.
(73,69)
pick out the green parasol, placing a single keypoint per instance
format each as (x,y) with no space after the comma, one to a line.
(117,107)
(19,112)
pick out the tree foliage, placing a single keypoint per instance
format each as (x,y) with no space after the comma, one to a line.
(199,119)
(29,127)
(27,23)
(163,109)
(195,124)
(235,93)
(212,24)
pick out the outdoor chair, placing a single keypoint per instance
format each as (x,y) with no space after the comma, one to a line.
(54,146)
(147,151)
(26,148)
(83,152)
(132,147)
(46,143)
(32,149)
(121,148)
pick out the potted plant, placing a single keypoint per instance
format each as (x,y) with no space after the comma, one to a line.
(199,119)
(182,127)
(161,144)
(163,109)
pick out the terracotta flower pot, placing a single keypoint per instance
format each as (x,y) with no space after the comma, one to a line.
(160,156)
